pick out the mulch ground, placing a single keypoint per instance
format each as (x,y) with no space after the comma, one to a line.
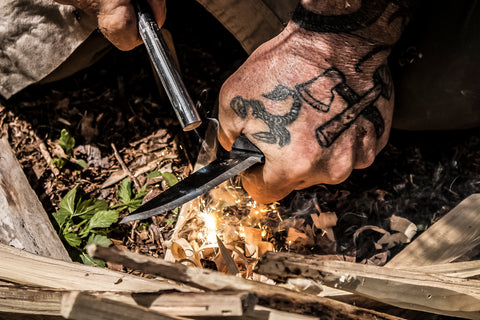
(419,176)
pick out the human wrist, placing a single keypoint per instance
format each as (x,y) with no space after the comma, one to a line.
(378,22)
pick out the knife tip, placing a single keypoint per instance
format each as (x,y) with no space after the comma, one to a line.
(126,219)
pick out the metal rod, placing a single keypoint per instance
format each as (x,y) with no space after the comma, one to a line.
(164,66)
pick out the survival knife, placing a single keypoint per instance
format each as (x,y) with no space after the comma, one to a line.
(243,155)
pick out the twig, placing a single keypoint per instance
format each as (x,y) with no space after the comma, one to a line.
(125,168)
(46,155)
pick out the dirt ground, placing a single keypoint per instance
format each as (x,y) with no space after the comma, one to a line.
(419,175)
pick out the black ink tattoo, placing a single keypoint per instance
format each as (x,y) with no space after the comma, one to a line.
(327,133)
(356,105)
(366,15)
(369,55)
(276,123)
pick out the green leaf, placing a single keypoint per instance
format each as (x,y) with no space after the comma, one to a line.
(73,239)
(59,162)
(61,216)
(125,190)
(66,142)
(81,163)
(170,179)
(103,219)
(170,221)
(68,202)
(87,208)
(89,261)
(98,239)
(154,174)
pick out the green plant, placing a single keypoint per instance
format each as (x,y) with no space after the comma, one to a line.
(67,143)
(84,222)
(128,199)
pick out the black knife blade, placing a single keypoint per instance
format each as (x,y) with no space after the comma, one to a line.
(244,154)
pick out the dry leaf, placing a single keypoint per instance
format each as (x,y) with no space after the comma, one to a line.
(324,220)
(403,225)
(181,249)
(298,239)
(263,247)
(368,227)
(392,240)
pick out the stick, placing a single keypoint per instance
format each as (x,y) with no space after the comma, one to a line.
(25,268)
(84,306)
(269,296)
(46,155)
(125,168)
(449,238)
(23,221)
(401,288)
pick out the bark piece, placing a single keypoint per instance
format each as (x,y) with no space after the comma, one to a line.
(24,223)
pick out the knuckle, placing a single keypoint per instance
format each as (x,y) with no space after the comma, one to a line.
(338,173)
(366,160)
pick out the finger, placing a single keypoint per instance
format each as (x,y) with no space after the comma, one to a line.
(231,125)
(118,23)
(88,6)
(365,146)
(264,188)
(159,11)
(226,137)
(69,2)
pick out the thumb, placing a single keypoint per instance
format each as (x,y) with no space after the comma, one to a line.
(159,11)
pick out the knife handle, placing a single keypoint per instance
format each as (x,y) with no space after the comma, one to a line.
(243,145)
(165,68)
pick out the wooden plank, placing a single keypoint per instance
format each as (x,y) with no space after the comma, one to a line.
(19,316)
(21,267)
(449,238)
(401,288)
(270,296)
(463,270)
(42,301)
(34,301)
(84,306)
(24,223)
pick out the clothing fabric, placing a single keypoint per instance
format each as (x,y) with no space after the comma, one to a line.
(36,37)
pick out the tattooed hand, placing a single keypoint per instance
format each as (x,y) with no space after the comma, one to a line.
(317,99)
(117,19)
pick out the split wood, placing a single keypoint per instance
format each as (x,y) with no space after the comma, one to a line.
(23,221)
(269,295)
(21,267)
(84,306)
(402,288)
(449,238)
(31,300)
